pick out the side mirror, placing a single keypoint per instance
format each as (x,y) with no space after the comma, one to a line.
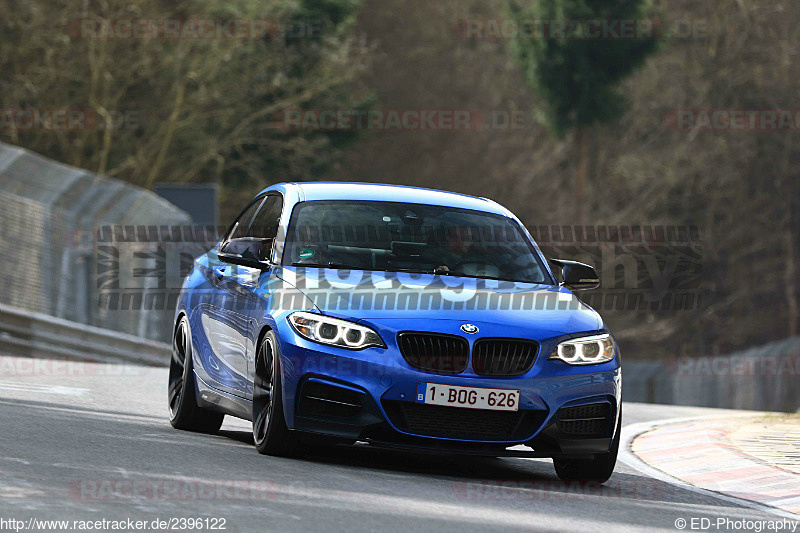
(577,276)
(250,252)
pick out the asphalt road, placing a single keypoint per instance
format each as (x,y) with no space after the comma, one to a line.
(93,442)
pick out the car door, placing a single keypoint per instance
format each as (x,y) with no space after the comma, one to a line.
(240,284)
(225,323)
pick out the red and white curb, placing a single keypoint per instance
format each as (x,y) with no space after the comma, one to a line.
(696,454)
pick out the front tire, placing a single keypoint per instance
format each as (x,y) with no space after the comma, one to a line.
(598,468)
(184,413)
(270,433)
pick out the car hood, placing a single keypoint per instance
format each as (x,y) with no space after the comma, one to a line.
(376,296)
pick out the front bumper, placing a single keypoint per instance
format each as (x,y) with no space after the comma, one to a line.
(369,395)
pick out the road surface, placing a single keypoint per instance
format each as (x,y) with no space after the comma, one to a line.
(92,442)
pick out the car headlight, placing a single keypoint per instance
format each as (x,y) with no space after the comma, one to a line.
(333,331)
(585,350)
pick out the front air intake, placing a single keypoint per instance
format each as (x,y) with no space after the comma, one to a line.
(593,420)
(325,400)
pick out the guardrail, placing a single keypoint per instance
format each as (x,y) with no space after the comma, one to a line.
(38,335)
(763,378)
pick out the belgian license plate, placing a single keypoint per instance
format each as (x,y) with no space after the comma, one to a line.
(469,397)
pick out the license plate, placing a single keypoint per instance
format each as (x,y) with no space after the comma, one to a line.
(468,397)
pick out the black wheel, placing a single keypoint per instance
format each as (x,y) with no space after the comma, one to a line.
(597,468)
(270,433)
(184,413)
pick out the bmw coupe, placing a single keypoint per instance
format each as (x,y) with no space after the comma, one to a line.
(398,317)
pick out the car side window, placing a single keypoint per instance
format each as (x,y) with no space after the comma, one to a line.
(243,223)
(265,225)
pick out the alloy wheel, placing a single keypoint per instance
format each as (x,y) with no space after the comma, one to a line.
(263,385)
(177,367)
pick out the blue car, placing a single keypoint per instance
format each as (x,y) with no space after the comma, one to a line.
(397,317)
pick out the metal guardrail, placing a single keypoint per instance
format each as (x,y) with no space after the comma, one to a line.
(763,378)
(37,335)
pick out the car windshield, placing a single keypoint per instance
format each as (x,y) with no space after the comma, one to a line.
(400,237)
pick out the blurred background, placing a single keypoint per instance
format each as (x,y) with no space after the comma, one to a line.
(685,135)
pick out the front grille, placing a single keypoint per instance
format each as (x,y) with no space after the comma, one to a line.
(444,354)
(503,357)
(324,400)
(459,423)
(591,420)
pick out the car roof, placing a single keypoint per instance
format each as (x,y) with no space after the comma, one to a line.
(311,191)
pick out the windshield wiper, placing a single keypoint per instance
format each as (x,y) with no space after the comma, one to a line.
(329,264)
(334,264)
(435,271)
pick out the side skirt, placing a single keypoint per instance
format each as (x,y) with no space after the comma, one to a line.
(222,402)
